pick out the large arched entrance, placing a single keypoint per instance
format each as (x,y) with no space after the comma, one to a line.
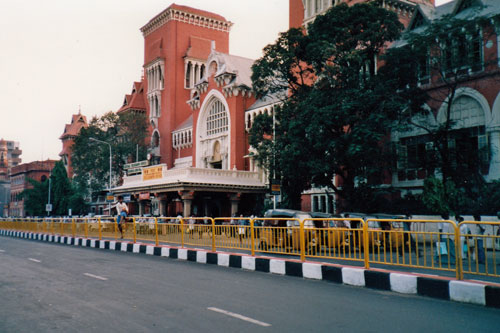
(213,128)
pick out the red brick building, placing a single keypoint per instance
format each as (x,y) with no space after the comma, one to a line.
(195,95)
(71,130)
(38,170)
(476,105)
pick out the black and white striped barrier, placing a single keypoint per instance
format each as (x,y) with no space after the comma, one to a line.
(475,292)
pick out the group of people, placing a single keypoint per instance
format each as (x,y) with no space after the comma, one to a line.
(471,241)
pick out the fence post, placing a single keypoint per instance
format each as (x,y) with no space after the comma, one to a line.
(302,242)
(73,227)
(61,221)
(52,227)
(182,232)
(99,227)
(86,229)
(458,254)
(134,229)
(366,249)
(213,235)
(156,232)
(252,236)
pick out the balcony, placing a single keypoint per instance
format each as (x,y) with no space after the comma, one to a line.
(195,179)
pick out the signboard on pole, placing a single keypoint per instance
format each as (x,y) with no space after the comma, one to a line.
(48,208)
(110,197)
(275,187)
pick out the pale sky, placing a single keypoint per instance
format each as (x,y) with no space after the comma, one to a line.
(59,55)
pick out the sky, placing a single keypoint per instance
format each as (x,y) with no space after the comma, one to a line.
(61,56)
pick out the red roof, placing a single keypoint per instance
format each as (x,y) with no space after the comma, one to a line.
(136,100)
(77,122)
(199,48)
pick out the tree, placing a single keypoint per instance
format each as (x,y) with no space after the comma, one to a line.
(125,132)
(339,111)
(36,198)
(63,195)
(432,63)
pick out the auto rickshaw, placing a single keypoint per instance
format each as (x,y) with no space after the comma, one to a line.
(281,230)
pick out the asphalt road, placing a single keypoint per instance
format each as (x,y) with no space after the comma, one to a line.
(50,287)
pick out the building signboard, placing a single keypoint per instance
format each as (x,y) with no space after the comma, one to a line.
(154,172)
(136,165)
(144,196)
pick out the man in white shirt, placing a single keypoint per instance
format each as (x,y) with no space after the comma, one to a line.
(122,211)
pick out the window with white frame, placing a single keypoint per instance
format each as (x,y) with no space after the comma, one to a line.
(323,203)
(463,50)
(217,121)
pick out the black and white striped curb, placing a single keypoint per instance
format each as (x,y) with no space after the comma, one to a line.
(487,294)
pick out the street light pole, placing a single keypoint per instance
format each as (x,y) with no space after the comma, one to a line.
(48,204)
(110,165)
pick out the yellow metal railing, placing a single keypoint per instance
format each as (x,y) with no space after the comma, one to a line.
(434,245)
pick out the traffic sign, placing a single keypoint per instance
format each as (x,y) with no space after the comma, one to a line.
(48,208)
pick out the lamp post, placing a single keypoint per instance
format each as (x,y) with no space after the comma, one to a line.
(110,165)
(49,208)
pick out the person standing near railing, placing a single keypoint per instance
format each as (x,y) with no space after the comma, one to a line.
(478,230)
(122,211)
(408,242)
(445,247)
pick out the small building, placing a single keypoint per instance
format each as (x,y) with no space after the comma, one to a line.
(19,180)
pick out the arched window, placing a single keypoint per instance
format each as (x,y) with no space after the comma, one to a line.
(202,71)
(156,139)
(217,118)
(188,75)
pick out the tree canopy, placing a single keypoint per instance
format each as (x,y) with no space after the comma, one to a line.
(339,111)
(64,195)
(125,133)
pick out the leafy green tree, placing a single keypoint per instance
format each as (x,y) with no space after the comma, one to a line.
(36,198)
(63,195)
(125,133)
(339,112)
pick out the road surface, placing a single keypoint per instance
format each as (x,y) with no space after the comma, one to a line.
(51,287)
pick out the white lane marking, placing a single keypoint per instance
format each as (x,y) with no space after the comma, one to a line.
(34,260)
(2,251)
(235,315)
(95,276)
